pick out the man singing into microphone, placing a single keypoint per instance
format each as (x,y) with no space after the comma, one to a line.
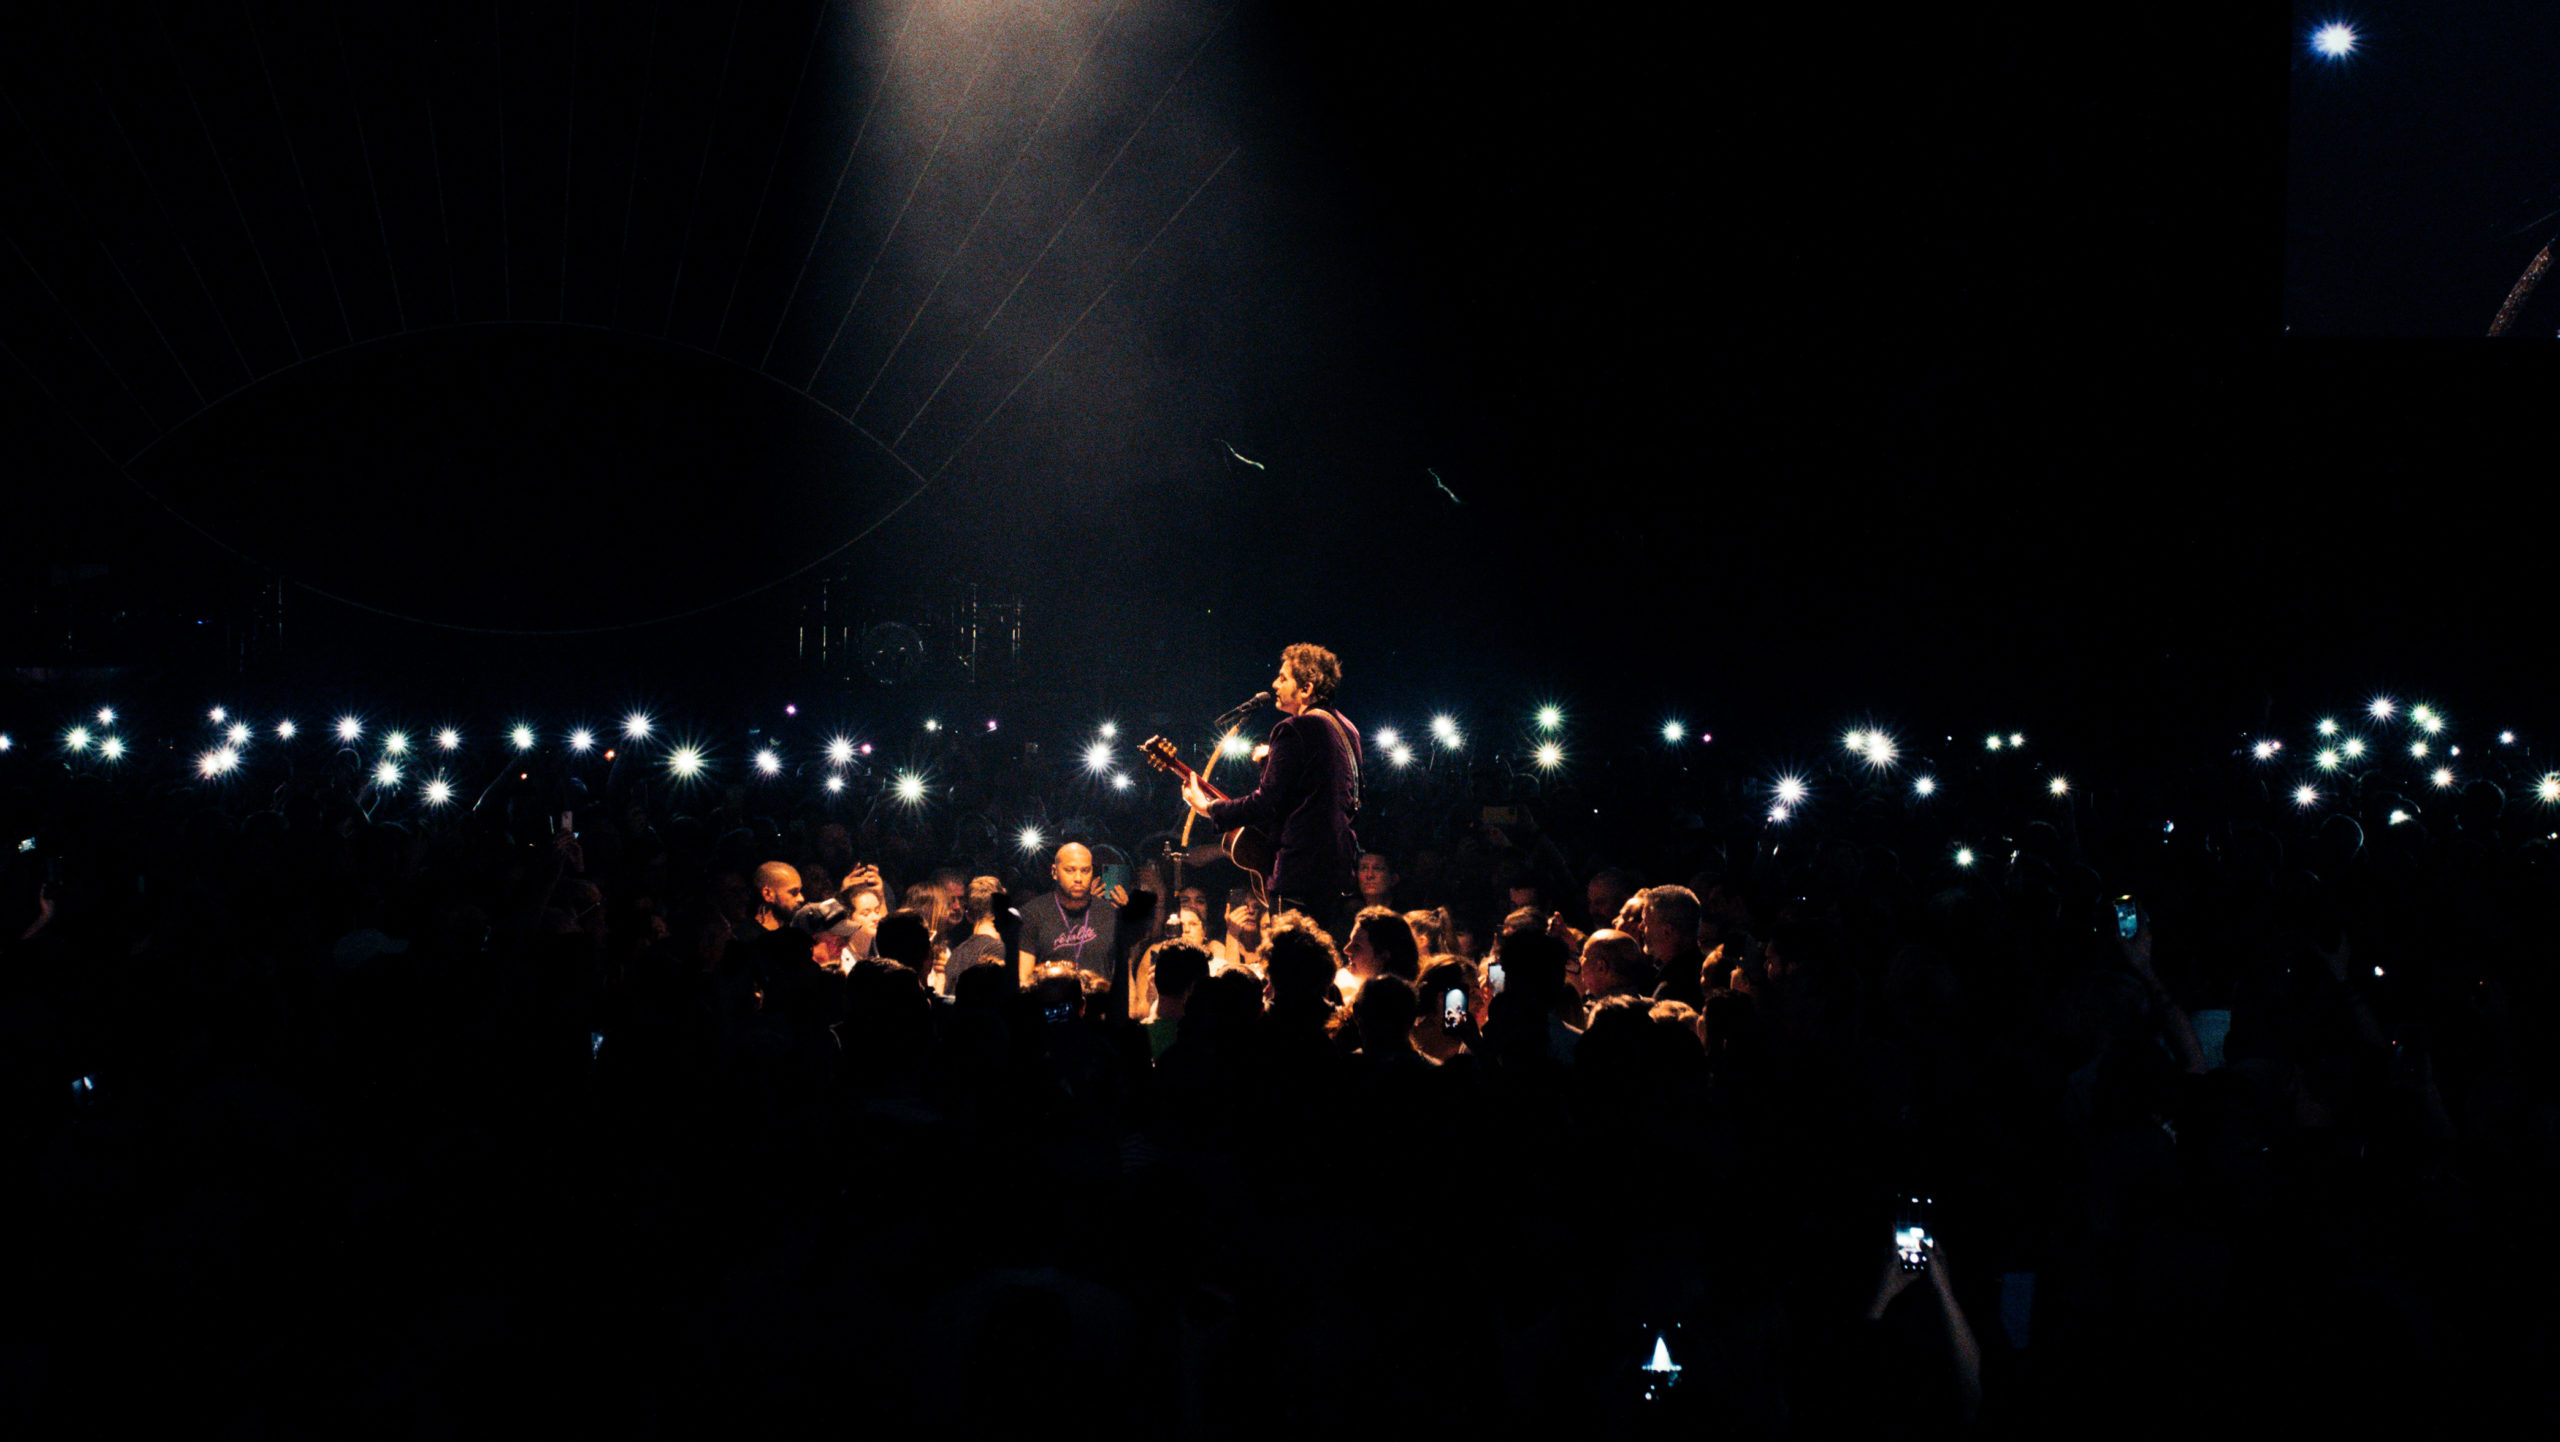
(1308,792)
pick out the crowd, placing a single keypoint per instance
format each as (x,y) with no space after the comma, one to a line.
(648,1113)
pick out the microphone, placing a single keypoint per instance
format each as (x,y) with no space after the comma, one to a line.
(1258,698)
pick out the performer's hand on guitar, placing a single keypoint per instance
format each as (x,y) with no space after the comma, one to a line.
(1195,795)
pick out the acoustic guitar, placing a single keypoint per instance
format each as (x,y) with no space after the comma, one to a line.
(1246,847)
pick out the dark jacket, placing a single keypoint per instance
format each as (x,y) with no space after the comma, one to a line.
(1304,803)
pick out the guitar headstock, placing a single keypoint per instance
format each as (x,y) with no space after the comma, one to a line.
(1161,755)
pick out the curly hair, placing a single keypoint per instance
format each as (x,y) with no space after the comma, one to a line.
(1317,671)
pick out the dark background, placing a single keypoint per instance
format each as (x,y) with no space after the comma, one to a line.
(1995,367)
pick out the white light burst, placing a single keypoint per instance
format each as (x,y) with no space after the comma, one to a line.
(2336,40)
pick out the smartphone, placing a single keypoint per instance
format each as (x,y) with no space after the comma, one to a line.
(2128,917)
(1913,1236)
(1107,877)
(1453,1008)
(568,823)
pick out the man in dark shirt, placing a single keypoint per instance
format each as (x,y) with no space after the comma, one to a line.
(1307,795)
(1073,923)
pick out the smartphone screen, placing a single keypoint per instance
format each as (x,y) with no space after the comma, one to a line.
(1453,1007)
(2128,917)
(1912,1235)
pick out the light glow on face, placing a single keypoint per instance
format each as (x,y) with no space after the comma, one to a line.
(635,726)
(768,764)
(1550,756)
(387,774)
(910,788)
(522,736)
(840,751)
(685,762)
(349,728)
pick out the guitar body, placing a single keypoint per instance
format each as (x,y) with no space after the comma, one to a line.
(1248,848)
